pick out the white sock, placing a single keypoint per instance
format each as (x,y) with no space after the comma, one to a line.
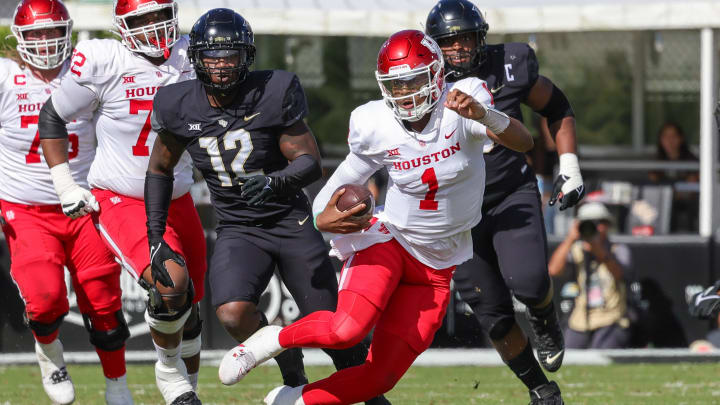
(168,356)
(194,380)
(114,384)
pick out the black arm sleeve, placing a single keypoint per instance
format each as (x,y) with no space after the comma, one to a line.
(158,195)
(302,171)
(557,108)
(50,125)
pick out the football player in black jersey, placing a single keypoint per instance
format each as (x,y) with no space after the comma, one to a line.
(510,240)
(245,133)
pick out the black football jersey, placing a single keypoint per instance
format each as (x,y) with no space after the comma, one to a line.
(510,71)
(239,140)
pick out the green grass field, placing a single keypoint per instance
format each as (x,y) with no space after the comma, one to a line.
(671,384)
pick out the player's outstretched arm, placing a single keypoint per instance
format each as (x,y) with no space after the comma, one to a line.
(75,200)
(549,101)
(502,129)
(158,194)
(298,145)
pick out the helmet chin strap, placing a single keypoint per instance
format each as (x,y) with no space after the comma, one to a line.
(162,44)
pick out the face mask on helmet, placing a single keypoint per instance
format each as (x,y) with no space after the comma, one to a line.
(463,52)
(410,74)
(410,93)
(151,29)
(43,38)
(222,69)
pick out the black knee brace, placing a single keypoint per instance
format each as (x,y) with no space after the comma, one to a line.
(44,329)
(195,331)
(501,328)
(155,302)
(108,340)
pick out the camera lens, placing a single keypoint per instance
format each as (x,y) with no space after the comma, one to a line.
(587,229)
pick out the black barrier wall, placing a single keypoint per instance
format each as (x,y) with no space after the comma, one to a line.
(667,268)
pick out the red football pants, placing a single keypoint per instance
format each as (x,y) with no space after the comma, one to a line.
(382,286)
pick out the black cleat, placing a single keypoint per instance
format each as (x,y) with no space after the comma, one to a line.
(546,394)
(549,339)
(379,400)
(188,398)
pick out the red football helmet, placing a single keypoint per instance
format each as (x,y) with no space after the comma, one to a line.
(153,39)
(43,53)
(411,74)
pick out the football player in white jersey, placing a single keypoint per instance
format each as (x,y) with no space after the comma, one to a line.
(115,81)
(41,239)
(398,267)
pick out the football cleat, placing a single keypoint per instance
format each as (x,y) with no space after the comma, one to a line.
(55,378)
(285,395)
(257,349)
(188,398)
(546,394)
(549,339)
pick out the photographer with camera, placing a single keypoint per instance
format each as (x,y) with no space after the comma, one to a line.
(599,318)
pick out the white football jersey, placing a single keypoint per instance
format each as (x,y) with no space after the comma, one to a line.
(437,177)
(24,174)
(119,86)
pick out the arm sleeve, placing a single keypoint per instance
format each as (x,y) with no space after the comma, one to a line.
(71,99)
(50,124)
(158,195)
(302,171)
(355,169)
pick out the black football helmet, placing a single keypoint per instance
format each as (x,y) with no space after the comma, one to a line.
(455,17)
(221,33)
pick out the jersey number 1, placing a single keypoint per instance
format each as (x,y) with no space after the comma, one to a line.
(429,203)
(33,156)
(230,141)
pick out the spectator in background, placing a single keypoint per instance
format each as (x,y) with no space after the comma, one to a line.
(672,146)
(599,319)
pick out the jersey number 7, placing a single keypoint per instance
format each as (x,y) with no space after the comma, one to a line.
(33,156)
(230,141)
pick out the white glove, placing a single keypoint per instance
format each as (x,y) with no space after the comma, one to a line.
(568,185)
(75,200)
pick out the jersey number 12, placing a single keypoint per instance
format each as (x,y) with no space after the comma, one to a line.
(230,141)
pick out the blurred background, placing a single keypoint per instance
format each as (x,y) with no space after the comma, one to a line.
(627,67)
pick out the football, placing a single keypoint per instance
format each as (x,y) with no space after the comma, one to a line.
(354,195)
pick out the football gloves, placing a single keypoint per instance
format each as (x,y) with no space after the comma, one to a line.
(706,304)
(159,253)
(78,202)
(259,189)
(75,200)
(568,186)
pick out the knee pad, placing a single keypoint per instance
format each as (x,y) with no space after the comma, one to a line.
(44,328)
(161,319)
(108,340)
(501,328)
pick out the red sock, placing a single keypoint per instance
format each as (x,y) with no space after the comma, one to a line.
(113,362)
(350,323)
(387,362)
(46,340)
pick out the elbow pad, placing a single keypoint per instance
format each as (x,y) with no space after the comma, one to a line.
(50,124)
(557,108)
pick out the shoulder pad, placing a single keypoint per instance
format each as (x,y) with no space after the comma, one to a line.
(277,95)
(7,65)
(365,136)
(93,58)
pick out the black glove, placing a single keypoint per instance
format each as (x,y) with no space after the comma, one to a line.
(159,253)
(572,192)
(259,189)
(706,304)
